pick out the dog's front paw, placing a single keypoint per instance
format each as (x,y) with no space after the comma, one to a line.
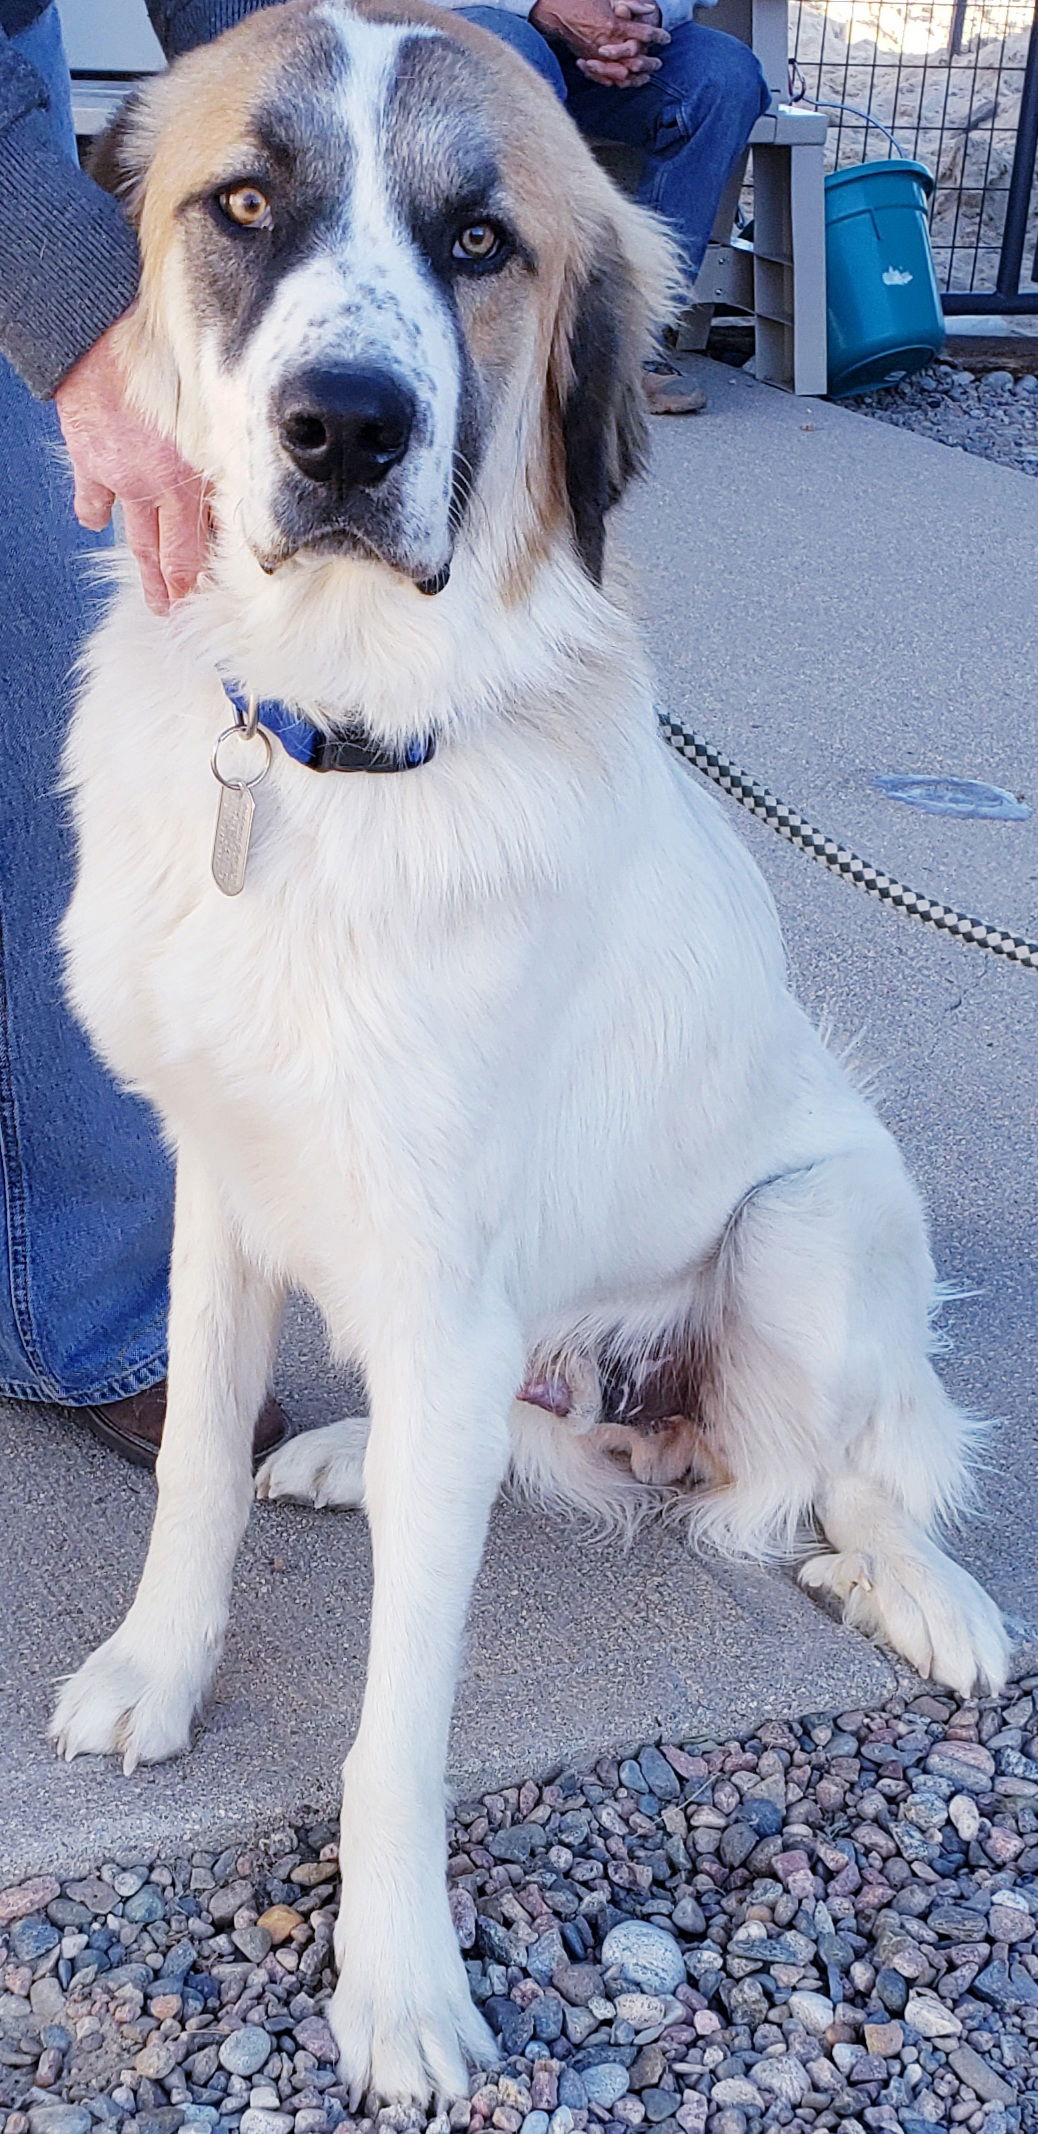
(402,2014)
(324,1467)
(120,1703)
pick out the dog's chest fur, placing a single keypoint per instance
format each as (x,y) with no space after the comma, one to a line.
(413,1031)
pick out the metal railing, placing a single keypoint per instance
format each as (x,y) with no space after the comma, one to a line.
(956,82)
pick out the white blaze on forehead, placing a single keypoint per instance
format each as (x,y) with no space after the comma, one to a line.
(363,295)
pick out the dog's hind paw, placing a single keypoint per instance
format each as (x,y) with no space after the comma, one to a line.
(119,1704)
(324,1467)
(926,1606)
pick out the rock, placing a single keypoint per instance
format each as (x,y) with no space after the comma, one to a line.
(644,2011)
(513,2025)
(689,1917)
(965,1764)
(535,2123)
(930,2017)
(543,1956)
(463,1913)
(24,1897)
(223,1903)
(659,2105)
(262,2122)
(781,2075)
(763,1815)
(883,2039)
(794,1872)
(98,1895)
(814,2010)
(246,2050)
(145,1906)
(891,1989)
(579,1983)
(646,1954)
(548,2018)
(735,2090)
(571,2090)
(604,2083)
(737,1843)
(254,1942)
(58,2119)
(518,1843)
(561,2121)
(660,1774)
(965,1816)
(980,2076)
(1010,1918)
(156,2060)
(1005,1989)
(31,1938)
(280,1921)
(313,2035)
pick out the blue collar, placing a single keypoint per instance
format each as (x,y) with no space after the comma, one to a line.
(348,749)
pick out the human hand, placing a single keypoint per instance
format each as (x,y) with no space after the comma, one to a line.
(613,44)
(625,60)
(117,455)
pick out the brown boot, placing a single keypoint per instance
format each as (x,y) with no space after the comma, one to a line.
(133,1427)
(667,392)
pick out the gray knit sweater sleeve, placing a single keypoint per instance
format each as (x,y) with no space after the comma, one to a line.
(68,257)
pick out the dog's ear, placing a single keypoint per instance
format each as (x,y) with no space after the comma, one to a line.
(615,308)
(119,157)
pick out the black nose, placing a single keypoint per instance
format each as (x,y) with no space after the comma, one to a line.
(347,425)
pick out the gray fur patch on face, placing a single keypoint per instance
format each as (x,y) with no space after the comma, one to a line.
(301,155)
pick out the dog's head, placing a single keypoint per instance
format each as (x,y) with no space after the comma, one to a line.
(386,289)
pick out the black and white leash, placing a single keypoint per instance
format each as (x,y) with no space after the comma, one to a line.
(788,824)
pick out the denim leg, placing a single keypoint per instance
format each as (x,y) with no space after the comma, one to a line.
(85,1183)
(523,38)
(692,119)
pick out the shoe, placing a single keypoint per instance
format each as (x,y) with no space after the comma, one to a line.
(133,1427)
(667,392)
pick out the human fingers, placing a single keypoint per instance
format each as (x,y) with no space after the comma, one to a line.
(142,532)
(609,74)
(91,501)
(183,533)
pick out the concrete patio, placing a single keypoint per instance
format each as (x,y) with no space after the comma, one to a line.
(828,598)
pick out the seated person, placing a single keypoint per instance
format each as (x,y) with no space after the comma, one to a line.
(644,74)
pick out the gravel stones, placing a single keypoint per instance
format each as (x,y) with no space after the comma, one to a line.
(605,2083)
(828,1926)
(994,416)
(245,2051)
(25,1897)
(646,1954)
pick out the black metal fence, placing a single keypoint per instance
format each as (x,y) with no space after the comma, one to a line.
(956,83)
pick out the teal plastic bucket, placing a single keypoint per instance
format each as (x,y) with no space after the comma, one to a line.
(884,307)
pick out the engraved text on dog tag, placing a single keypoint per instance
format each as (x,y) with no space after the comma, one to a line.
(231,841)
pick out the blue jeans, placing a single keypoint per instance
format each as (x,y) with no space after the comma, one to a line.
(85,1186)
(691,120)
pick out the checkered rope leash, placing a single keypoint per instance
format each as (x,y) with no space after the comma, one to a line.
(839,858)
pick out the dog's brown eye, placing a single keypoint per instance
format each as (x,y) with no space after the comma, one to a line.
(477,241)
(247,206)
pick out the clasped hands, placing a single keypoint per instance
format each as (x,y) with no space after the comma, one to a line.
(615,41)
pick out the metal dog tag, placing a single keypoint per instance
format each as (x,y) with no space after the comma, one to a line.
(234,817)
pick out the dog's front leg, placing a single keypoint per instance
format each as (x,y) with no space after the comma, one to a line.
(138,1693)
(441,1389)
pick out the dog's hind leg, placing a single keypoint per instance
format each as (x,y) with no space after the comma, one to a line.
(323,1467)
(139,1692)
(820,1402)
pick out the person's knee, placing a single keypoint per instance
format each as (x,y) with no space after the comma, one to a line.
(707,69)
(519,32)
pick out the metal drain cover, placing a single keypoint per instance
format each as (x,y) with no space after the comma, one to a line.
(953,796)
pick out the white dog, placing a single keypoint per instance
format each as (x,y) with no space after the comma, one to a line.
(491,1052)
